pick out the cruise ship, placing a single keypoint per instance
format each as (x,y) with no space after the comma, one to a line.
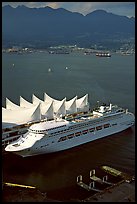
(61,134)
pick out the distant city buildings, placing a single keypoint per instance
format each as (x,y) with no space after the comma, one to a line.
(126,48)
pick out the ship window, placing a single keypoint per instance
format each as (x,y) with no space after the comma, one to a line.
(16,145)
(91,129)
(77,134)
(70,136)
(106,125)
(85,132)
(114,124)
(99,127)
(62,139)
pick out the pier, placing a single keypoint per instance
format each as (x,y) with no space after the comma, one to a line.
(89,187)
(93,179)
(104,180)
(117,173)
(118,181)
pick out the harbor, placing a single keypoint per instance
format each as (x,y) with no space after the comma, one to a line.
(68,102)
(113,187)
(56,174)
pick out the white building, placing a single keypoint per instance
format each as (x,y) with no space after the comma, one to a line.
(41,109)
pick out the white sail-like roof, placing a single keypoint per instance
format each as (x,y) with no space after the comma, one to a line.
(47,110)
(10,105)
(22,115)
(45,107)
(24,103)
(59,107)
(82,104)
(47,98)
(71,106)
(36,100)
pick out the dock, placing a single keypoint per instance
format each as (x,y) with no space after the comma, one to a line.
(104,180)
(116,173)
(121,192)
(89,187)
(93,179)
(118,181)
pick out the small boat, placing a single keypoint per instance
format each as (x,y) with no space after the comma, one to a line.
(49,70)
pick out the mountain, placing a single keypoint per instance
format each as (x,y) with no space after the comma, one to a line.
(47,27)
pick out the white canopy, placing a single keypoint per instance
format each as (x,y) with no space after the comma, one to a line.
(45,107)
(47,98)
(10,105)
(36,100)
(47,110)
(82,104)
(21,115)
(27,112)
(24,103)
(59,107)
(71,106)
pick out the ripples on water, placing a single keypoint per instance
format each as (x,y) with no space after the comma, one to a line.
(103,79)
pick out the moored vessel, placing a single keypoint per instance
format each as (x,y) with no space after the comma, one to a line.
(61,134)
(103,54)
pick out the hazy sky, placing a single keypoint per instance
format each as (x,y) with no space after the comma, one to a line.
(120,8)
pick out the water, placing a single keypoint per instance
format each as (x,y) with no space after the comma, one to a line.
(105,80)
